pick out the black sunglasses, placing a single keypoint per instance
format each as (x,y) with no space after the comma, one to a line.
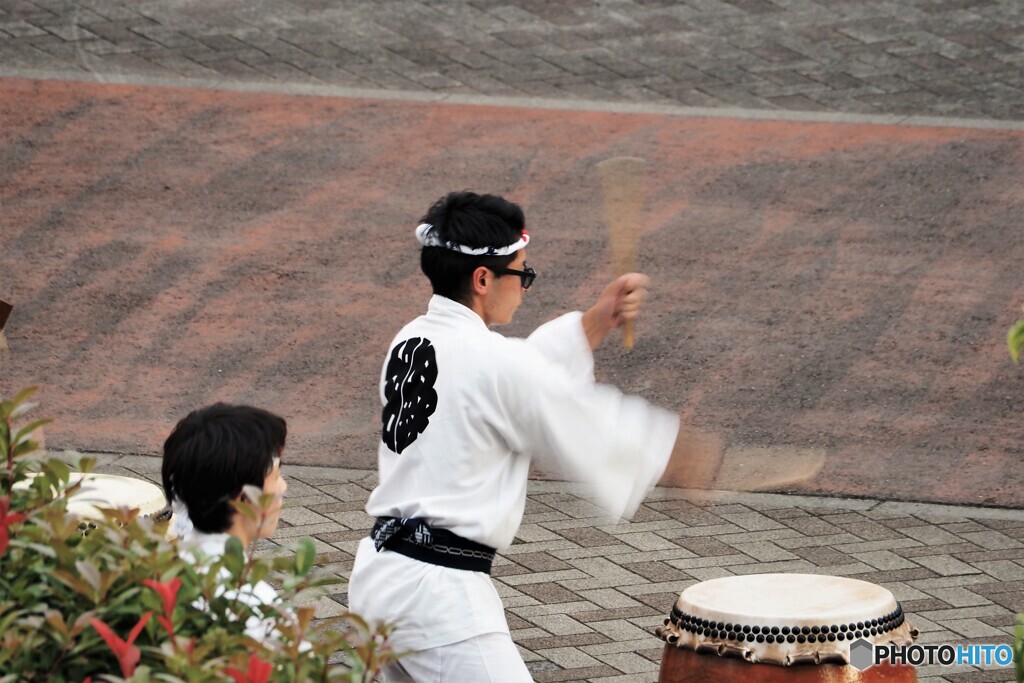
(526,276)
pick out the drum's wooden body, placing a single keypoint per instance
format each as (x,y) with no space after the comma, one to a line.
(679,665)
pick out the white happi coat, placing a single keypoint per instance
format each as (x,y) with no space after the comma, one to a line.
(204,549)
(465,412)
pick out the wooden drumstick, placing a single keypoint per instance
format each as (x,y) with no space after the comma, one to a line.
(623,184)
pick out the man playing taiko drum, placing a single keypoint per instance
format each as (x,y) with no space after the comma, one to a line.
(465,411)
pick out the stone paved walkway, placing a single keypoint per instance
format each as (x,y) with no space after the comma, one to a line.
(938,57)
(583,596)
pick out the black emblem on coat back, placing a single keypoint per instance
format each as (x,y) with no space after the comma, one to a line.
(409,392)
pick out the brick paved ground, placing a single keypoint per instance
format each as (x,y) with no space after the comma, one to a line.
(939,57)
(583,596)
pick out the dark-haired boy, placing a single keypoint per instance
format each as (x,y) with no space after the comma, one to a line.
(210,457)
(465,410)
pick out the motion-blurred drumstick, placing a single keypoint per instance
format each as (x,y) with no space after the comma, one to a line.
(701,460)
(767,468)
(623,184)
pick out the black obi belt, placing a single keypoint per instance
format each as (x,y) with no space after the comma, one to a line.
(414,538)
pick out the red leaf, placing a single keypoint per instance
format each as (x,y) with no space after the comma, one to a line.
(6,519)
(127,654)
(138,627)
(129,661)
(259,671)
(116,645)
(168,592)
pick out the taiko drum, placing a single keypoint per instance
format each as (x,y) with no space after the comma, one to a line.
(791,628)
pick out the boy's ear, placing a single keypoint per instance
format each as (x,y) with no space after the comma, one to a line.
(480,280)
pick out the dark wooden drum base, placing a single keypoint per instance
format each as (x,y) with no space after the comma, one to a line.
(680,665)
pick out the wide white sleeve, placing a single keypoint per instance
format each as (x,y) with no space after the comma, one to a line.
(563,341)
(617,446)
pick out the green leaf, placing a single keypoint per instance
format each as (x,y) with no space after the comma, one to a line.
(1015,340)
(82,622)
(59,468)
(25,447)
(56,621)
(305,555)
(25,431)
(38,547)
(234,557)
(5,623)
(17,406)
(74,583)
(22,409)
(260,571)
(1018,648)
(89,572)
(23,394)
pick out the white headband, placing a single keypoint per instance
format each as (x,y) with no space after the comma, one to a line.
(427,236)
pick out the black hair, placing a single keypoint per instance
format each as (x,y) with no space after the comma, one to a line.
(474,220)
(212,453)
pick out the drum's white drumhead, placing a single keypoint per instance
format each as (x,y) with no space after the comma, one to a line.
(785,618)
(111,491)
(797,598)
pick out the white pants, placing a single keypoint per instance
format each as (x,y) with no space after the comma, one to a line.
(490,658)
